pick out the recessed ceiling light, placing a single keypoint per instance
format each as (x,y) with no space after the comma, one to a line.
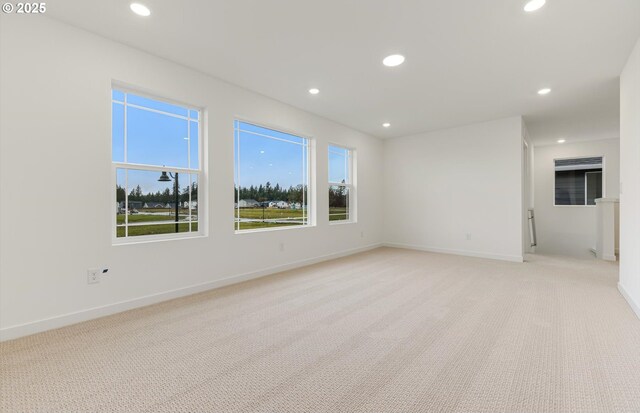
(562,140)
(534,5)
(386,124)
(544,91)
(314,91)
(393,60)
(140,9)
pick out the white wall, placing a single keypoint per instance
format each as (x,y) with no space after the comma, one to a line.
(630,180)
(56,200)
(570,230)
(441,186)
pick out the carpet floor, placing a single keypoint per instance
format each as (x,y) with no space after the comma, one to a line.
(388,330)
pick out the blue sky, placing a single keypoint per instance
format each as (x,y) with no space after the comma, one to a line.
(282,160)
(153,139)
(161,139)
(338,164)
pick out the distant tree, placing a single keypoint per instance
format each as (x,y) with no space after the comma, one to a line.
(120,193)
(267,192)
(184,195)
(338,196)
(194,191)
(166,196)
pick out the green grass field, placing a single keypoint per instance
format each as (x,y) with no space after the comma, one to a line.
(155,229)
(335,214)
(295,215)
(338,214)
(268,214)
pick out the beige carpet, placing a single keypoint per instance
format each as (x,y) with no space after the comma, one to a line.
(389,330)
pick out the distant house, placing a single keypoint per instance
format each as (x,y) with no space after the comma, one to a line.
(282,204)
(248,203)
(133,207)
(135,204)
(194,204)
(153,204)
(273,204)
(295,205)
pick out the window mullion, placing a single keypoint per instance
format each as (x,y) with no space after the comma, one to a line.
(125,129)
(145,167)
(126,202)
(273,137)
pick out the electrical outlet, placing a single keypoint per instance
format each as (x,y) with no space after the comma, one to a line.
(361,234)
(282,247)
(468,236)
(93,276)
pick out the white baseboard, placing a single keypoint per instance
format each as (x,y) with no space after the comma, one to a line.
(634,306)
(512,258)
(21,330)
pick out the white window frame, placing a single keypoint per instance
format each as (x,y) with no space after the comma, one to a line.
(585,187)
(350,167)
(199,172)
(307,168)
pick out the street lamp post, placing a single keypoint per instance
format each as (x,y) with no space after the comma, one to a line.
(165,178)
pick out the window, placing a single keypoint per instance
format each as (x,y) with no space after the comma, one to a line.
(157,167)
(271,178)
(578,181)
(341,190)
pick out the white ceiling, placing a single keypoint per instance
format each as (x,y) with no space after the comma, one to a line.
(467,60)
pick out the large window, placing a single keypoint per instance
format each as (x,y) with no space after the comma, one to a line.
(341,190)
(578,181)
(271,178)
(157,167)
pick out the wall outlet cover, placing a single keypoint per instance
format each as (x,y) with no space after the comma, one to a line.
(93,276)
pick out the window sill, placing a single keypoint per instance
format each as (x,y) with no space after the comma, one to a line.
(345,222)
(575,206)
(257,230)
(149,240)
